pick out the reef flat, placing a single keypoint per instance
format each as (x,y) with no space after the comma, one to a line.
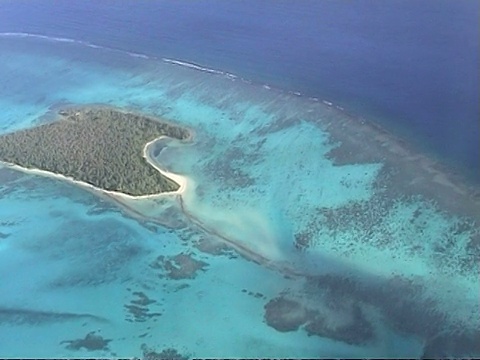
(100,146)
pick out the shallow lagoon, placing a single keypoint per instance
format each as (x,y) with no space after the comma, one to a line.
(309,208)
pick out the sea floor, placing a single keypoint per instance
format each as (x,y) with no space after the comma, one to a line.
(303,231)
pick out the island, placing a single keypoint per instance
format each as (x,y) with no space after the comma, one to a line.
(98,146)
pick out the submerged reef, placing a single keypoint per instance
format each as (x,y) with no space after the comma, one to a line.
(284,315)
(90,342)
(20,316)
(168,353)
(98,145)
(139,308)
(179,267)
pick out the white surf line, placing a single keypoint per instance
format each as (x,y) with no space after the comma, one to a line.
(179,179)
(193,66)
(75,41)
(187,64)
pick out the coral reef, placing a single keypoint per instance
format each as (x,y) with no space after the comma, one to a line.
(168,353)
(212,246)
(90,342)
(178,267)
(285,314)
(139,308)
(35,317)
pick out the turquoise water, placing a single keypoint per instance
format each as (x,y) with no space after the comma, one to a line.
(332,234)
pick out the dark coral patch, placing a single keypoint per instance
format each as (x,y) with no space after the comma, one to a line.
(285,315)
(214,247)
(168,353)
(139,308)
(90,342)
(178,267)
(289,315)
(448,346)
(359,331)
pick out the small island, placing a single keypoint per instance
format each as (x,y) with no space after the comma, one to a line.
(99,146)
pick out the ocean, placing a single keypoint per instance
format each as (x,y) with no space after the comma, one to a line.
(410,65)
(332,205)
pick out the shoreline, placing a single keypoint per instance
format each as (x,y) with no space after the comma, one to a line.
(179,179)
(176,178)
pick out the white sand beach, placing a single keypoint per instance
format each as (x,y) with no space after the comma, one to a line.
(179,179)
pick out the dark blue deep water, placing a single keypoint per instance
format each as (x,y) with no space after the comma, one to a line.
(299,232)
(412,65)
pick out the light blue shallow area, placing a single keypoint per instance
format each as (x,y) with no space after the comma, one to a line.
(258,176)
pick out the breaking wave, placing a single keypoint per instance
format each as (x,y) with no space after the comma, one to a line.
(186,64)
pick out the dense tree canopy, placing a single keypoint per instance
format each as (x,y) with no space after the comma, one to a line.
(98,145)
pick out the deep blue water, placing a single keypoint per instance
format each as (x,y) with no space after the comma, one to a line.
(412,65)
(319,215)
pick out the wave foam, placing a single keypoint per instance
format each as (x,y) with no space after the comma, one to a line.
(189,65)
(193,66)
(138,55)
(44,37)
(68,40)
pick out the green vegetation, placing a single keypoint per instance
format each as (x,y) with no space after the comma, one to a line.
(97,145)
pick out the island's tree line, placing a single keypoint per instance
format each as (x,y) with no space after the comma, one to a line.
(100,146)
